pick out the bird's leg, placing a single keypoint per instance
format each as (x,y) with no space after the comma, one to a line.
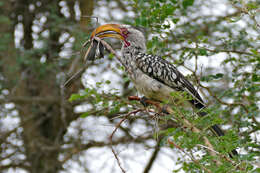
(165,109)
(146,102)
(143,100)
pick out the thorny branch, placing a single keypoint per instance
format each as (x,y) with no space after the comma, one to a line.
(224,157)
(185,122)
(192,158)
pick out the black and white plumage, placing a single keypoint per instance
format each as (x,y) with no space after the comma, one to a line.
(167,74)
(152,76)
(162,78)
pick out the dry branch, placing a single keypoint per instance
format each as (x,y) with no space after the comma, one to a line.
(111,137)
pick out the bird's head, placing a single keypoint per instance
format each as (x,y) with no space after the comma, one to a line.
(129,35)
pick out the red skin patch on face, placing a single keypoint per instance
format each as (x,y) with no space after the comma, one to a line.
(127,43)
(124,33)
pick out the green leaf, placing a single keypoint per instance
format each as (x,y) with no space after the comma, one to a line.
(168,9)
(110,56)
(257,170)
(255,78)
(219,75)
(254,51)
(212,77)
(234,19)
(175,20)
(187,3)
(74,97)
(84,115)
(252,6)
(170,130)
(203,52)
(126,79)
(108,82)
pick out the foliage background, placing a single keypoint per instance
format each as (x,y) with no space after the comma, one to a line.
(215,43)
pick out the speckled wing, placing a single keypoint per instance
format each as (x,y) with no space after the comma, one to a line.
(166,73)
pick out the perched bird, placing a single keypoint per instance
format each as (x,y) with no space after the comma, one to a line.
(152,76)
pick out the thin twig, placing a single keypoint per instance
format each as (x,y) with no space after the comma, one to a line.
(112,134)
(222,102)
(216,50)
(75,76)
(191,157)
(218,99)
(117,159)
(223,156)
(153,157)
(246,11)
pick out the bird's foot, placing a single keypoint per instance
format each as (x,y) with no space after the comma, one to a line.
(164,109)
(143,101)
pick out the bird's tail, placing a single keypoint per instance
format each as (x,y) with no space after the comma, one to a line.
(215,128)
(217,131)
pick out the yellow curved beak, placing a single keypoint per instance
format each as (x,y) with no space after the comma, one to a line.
(108,30)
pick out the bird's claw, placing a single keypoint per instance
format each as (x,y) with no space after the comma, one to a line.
(143,101)
(164,109)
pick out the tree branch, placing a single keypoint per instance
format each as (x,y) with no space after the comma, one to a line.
(153,157)
(182,119)
(91,144)
(26,99)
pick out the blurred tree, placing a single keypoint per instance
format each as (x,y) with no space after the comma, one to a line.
(33,77)
(35,112)
(40,131)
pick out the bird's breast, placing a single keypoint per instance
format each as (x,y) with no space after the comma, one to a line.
(150,87)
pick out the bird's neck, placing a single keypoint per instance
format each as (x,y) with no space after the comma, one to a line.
(129,53)
(133,49)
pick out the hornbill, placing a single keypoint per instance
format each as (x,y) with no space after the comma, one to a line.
(152,76)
